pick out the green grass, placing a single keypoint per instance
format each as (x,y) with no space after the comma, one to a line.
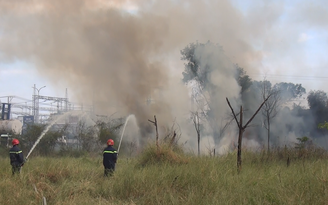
(169,178)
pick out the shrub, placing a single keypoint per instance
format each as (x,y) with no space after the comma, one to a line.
(163,154)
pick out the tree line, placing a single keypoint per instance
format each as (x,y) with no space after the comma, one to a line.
(281,118)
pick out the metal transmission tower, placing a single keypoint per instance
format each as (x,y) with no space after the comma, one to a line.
(40,107)
(19,106)
(36,102)
(5,113)
(58,100)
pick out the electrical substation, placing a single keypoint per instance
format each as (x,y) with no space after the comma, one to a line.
(17,113)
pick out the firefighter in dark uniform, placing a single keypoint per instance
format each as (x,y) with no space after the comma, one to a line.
(109,158)
(16,157)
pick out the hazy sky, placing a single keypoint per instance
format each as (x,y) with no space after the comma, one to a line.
(283,40)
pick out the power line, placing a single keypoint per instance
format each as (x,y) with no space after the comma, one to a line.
(295,77)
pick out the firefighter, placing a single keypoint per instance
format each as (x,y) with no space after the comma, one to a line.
(109,158)
(16,157)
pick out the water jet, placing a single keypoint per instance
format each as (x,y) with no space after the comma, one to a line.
(126,121)
(49,126)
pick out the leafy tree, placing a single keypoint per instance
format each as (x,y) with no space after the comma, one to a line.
(29,137)
(202,60)
(103,131)
(109,130)
(196,68)
(199,69)
(46,145)
(317,101)
(302,124)
(86,136)
(243,79)
(275,131)
(289,91)
(323,125)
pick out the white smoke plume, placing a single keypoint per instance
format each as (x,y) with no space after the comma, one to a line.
(117,54)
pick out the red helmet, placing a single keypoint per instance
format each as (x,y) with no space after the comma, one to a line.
(110,142)
(15,142)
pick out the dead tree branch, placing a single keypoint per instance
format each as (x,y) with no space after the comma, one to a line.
(155,123)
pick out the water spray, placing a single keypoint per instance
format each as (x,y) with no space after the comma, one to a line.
(126,121)
(42,134)
(47,129)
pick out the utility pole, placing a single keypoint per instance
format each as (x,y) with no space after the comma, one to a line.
(36,102)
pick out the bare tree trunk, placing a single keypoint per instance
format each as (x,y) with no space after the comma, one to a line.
(268,120)
(197,127)
(156,132)
(242,128)
(198,140)
(240,137)
(270,108)
(155,123)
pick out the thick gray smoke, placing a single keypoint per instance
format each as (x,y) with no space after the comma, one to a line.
(117,54)
(115,58)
